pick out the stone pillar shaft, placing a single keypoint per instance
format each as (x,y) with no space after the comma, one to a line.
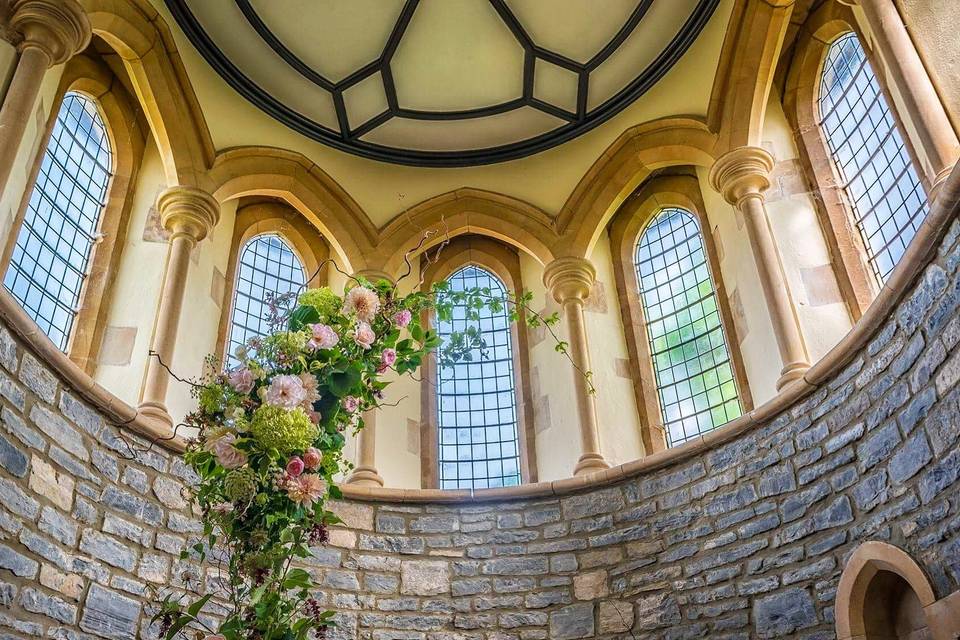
(742,176)
(938,141)
(569,281)
(52,31)
(365,473)
(190,215)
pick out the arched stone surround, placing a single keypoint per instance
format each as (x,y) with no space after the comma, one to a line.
(743,533)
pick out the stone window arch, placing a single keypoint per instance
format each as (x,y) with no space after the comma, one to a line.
(62,257)
(479,411)
(869,153)
(652,274)
(862,250)
(884,594)
(274,250)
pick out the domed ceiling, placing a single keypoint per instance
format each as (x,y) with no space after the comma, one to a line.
(442,82)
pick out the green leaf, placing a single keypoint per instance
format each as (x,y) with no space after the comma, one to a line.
(343,383)
(195,608)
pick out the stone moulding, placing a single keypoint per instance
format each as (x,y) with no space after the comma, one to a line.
(945,209)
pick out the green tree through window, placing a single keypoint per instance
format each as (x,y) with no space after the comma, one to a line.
(695,383)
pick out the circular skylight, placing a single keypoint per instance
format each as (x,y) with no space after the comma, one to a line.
(442,82)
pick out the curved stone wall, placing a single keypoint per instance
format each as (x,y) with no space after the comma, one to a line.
(743,534)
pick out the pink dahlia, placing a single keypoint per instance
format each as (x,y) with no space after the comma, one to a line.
(363,302)
(306,489)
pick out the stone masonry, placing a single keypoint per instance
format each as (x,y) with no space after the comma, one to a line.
(744,541)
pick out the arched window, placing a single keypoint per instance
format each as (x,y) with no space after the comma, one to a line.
(478,446)
(267,265)
(875,168)
(51,258)
(691,362)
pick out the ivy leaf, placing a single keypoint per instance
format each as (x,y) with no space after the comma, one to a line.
(343,383)
(303,316)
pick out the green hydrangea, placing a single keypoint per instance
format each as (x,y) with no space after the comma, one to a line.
(240,485)
(212,398)
(325,301)
(282,429)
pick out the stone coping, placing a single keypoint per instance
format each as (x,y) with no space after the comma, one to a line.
(942,211)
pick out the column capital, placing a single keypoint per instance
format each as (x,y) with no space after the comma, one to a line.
(569,278)
(59,28)
(188,211)
(742,172)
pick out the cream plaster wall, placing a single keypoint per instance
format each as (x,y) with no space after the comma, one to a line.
(739,271)
(617,414)
(398,428)
(384,190)
(137,287)
(799,238)
(554,400)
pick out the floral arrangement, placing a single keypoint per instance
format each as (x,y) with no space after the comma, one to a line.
(270,439)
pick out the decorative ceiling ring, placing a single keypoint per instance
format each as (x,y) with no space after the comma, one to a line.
(653,36)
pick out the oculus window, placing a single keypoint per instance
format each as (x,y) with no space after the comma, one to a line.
(51,258)
(876,172)
(476,398)
(267,266)
(696,388)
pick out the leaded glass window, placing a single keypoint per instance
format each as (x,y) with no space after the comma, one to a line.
(696,388)
(871,157)
(476,399)
(51,257)
(267,266)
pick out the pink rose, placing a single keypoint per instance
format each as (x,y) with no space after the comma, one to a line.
(286,391)
(388,358)
(322,337)
(314,416)
(363,302)
(402,318)
(312,458)
(350,404)
(295,466)
(241,380)
(364,335)
(228,455)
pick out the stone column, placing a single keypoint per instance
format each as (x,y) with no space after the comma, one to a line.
(51,31)
(365,473)
(938,142)
(742,175)
(189,215)
(569,281)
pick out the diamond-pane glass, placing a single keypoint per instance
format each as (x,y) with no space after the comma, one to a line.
(478,445)
(52,255)
(695,383)
(267,265)
(875,168)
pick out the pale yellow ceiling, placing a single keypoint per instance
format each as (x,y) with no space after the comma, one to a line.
(474,70)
